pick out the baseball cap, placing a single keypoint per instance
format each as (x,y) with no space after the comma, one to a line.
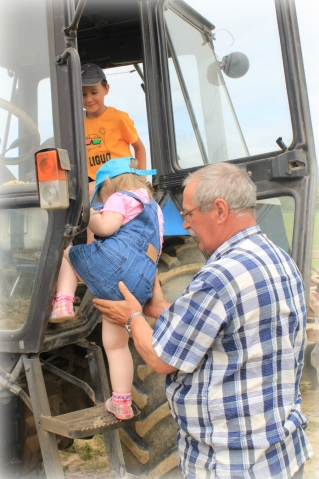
(92,74)
(116,167)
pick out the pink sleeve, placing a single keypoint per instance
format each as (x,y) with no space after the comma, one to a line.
(115,203)
(123,204)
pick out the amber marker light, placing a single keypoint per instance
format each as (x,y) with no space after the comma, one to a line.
(52,180)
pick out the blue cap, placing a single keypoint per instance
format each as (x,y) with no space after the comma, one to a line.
(116,167)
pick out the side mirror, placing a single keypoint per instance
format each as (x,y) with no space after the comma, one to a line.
(235,65)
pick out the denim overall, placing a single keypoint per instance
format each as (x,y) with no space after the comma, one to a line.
(130,255)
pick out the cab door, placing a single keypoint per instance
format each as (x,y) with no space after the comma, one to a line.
(40,108)
(233,89)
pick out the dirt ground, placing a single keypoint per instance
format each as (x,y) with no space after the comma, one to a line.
(310,406)
(86,458)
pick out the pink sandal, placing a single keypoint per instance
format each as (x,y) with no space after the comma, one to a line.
(62,308)
(120,405)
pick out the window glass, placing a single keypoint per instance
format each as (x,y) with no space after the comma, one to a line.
(188,149)
(233,112)
(209,110)
(127,94)
(21,239)
(25,101)
(275,217)
(25,124)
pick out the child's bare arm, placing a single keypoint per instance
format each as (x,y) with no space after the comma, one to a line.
(140,154)
(106,223)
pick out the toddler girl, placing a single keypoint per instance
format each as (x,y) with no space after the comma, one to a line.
(129,225)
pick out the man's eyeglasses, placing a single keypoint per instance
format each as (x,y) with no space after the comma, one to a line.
(93,142)
(185,214)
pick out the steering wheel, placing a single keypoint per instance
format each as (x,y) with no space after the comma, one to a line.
(31,127)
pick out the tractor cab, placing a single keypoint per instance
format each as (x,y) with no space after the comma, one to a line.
(200,91)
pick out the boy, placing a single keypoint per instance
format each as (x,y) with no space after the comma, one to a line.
(109,132)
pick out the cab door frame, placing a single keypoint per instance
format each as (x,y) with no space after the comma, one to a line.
(292,172)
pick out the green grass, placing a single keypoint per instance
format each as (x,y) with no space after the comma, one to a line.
(84,449)
(87,452)
(289,225)
(71,449)
(289,220)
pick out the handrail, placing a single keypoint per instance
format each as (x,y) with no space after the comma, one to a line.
(71,55)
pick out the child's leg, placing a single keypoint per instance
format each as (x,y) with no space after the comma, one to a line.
(62,307)
(115,341)
(89,236)
(67,280)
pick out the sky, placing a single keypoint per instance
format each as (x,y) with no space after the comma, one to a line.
(308,20)
(259,98)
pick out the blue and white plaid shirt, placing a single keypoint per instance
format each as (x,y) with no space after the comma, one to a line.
(236,336)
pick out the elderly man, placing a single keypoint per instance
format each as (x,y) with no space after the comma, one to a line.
(232,345)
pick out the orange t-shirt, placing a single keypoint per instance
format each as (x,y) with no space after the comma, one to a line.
(107,137)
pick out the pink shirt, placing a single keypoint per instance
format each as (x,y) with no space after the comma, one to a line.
(129,207)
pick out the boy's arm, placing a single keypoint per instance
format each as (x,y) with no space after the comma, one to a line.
(140,154)
(106,223)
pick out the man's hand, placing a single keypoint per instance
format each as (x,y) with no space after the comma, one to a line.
(118,312)
(157,303)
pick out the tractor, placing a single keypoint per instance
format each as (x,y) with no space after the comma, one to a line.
(196,100)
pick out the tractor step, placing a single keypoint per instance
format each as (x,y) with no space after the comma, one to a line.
(86,422)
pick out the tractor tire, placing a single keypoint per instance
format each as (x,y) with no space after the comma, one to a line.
(149,446)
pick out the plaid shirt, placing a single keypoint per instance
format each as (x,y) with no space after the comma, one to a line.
(236,336)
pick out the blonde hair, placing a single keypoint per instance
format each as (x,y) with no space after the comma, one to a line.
(127,181)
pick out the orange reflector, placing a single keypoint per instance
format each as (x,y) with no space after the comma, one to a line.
(51,170)
(48,166)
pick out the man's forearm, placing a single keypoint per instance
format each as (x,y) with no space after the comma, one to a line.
(142,336)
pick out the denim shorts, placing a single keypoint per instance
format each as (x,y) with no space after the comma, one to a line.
(102,264)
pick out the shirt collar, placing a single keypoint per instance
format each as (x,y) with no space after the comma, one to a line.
(237,238)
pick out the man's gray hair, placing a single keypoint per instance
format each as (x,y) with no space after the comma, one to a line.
(226,181)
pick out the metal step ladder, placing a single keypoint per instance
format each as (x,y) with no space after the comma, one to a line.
(77,424)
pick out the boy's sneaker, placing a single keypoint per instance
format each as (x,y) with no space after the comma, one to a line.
(120,409)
